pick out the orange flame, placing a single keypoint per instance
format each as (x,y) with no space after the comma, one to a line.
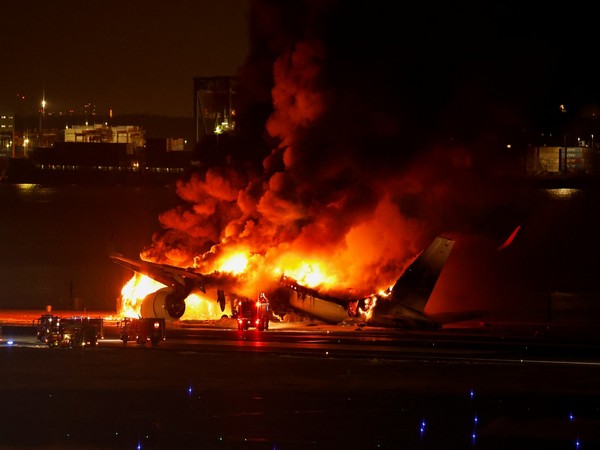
(134,292)
(235,263)
(198,305)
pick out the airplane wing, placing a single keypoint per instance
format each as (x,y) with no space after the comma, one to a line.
(163,273)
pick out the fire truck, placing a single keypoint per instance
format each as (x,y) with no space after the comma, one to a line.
(253,313)
(142,330)
(69,332)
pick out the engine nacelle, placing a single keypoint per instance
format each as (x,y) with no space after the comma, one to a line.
(166,303)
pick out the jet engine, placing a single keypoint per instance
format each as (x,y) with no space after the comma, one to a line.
(166,303)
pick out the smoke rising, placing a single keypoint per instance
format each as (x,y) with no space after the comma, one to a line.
(354,150)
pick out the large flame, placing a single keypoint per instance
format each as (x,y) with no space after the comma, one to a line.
(235,263)
(198,306)
(134,291)
(309,274)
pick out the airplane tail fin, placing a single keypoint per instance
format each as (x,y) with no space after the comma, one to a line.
(415,285)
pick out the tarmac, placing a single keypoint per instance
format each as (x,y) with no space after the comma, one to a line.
(131,397)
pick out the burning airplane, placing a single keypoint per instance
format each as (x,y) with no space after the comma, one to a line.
(402,305)
(330,182)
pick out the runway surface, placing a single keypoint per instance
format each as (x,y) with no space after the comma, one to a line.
(304,388)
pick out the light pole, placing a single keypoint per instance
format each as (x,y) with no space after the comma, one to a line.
(42,121)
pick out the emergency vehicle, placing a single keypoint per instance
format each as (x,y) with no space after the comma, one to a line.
(142,330)
(252,313)
(76,331)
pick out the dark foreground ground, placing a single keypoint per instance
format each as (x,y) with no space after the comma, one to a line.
(132,397)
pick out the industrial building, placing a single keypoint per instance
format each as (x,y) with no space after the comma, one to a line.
(215,105)
(100,153)
(131,135)
(561,161)
(69,149)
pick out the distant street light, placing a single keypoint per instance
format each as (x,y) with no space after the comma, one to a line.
(43,113)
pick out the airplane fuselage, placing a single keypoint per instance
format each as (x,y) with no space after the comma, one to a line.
(318,308)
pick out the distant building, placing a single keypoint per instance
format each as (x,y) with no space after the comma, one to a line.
(7,133)
(132,136)
(560,160)
(100,153)
(166,144)
(215,105)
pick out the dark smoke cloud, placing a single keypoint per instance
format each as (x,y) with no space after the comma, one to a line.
(365,131)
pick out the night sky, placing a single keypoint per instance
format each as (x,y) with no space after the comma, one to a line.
(134,56)
(460,65)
